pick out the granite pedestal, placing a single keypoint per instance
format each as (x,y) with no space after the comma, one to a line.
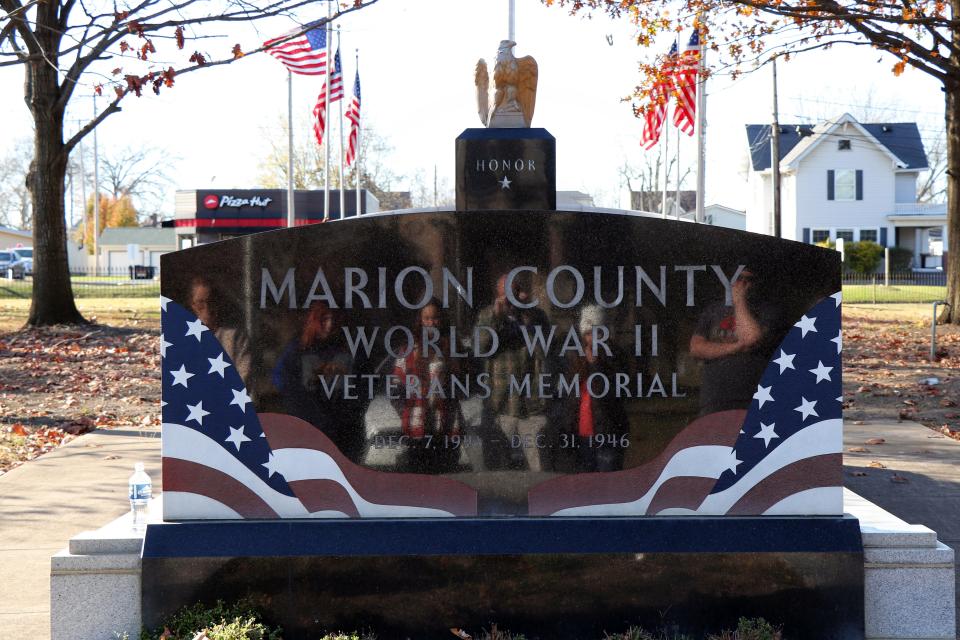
(546,578)
(506,169)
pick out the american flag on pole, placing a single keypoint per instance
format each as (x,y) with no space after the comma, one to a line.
(781,456)
(685,85)
(353,115)
(223,460)
(336,93)
(656,112)
(306,54)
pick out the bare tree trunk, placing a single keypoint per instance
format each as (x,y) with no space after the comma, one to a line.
(52,293)
(951,314)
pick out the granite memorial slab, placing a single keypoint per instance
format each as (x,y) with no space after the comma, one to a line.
(523,363)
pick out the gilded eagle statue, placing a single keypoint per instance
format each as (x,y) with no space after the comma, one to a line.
(515,81)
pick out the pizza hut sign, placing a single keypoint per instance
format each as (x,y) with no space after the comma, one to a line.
(219,202)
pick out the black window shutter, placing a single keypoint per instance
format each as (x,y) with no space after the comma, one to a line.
(806,235)
(883,236)
(829,184)
(859,184)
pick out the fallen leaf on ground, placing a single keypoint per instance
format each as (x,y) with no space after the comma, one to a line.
(877,465)
(859,474)
(858,450)
(875,441)
(898,479)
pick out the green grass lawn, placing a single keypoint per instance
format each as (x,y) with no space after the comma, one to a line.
(860,293)
(139,312)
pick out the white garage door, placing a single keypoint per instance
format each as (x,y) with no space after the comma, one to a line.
(155,258)
(117,262)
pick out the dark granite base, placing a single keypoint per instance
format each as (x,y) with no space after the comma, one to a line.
(551,579)
(506,169)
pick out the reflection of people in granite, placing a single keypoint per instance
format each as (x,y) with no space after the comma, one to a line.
(510,419)
(430,414)
(206,303)
(734,341)
(600,421)
(309,377)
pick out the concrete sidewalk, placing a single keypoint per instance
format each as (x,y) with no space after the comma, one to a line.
(82,486)
(79,486)
(919,480)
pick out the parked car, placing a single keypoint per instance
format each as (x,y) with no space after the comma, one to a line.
(7,259)
(23,265)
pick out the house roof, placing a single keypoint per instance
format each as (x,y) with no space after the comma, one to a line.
(139,235)
(900,139)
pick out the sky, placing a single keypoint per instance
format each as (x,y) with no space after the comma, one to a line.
(417,59)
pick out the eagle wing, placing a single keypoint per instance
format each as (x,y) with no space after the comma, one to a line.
(527,86)
(482,79)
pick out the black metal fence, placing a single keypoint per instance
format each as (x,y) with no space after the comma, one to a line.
(897,286)
(144,282)
(126,282)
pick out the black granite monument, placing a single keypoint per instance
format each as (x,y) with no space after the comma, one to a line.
(564,423)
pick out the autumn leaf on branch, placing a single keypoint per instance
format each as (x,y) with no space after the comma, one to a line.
(236,51)
(178,35)
(198,59)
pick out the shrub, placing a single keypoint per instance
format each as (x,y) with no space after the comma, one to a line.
(900,258)
(236,621)
(751,629)
(862,257)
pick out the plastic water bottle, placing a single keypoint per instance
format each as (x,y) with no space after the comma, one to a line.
(140,490)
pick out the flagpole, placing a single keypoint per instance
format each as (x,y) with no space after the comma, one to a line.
(290,202)
(356,155)
(326,119)
(666,164)
(676,201)
(343,184)
(701,132)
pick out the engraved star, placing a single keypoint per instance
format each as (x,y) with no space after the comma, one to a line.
(806,408)
(838,340)
(163,302)
(505,183)
(197,413)
(822,372)
(195,329)
(218,365)
(237,437)
(838,297)
(763,395)
(181,376)
(733,462)
(240,398)
(163,346)
(767,433)
(272,466)
(806,325)
(786,361)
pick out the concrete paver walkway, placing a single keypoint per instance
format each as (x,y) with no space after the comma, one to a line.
(82,486)
(79,486)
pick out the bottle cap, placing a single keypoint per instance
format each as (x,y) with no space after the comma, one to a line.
(138,466)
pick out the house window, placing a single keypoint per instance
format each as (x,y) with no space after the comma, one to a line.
(820,235)
(845,234)
(868,235)
(845,184)
(843,145)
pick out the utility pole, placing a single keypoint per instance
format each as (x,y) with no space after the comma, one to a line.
(775,156)
(96,196)
(83,192)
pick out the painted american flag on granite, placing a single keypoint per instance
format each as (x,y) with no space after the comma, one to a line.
(781,456)
(223,460)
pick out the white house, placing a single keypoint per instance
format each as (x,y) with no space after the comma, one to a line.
(847,179)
